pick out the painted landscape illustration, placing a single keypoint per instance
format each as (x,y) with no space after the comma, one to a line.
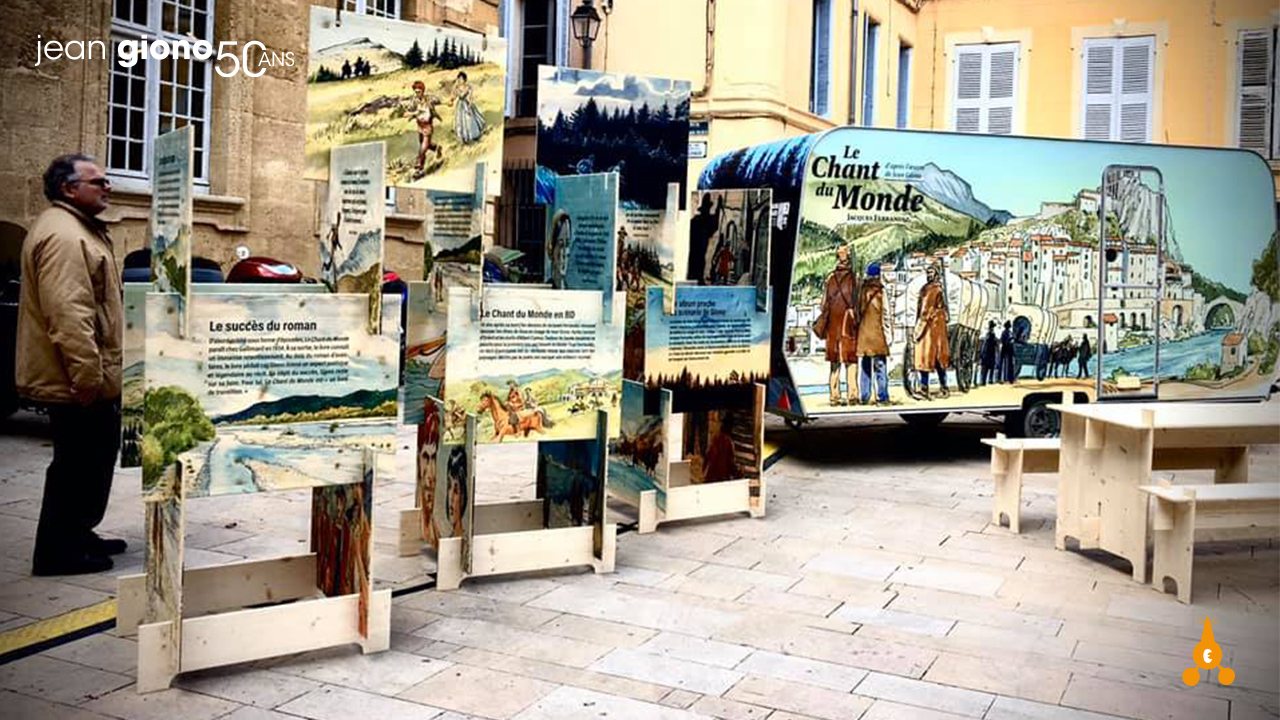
(639,456)
(990,278)
(715,340)
(323,389)
(434,95)
(537,368)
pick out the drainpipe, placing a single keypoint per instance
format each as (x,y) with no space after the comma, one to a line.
(710,52)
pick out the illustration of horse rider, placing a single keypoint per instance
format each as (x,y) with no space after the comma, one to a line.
(515,402)
(531,405)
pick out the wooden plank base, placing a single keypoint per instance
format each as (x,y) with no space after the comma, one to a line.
(524,551)
(688,502)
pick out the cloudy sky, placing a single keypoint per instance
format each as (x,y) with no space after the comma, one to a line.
(396,35)
(567,88)
(175,361)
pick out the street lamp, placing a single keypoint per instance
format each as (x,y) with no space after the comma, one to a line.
(586,24)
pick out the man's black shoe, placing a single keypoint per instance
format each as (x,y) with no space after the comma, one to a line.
(83,565)
(106,546)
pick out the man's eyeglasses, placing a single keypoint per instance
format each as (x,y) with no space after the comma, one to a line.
(100,182)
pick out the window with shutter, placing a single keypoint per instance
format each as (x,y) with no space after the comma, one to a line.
(1255,91)
(904,84)
(871,41)
(985,88)
(820,63)
(1117,88)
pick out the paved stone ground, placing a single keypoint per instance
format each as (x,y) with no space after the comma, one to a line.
(875,589)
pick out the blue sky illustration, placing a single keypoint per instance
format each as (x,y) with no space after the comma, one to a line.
(1222,202)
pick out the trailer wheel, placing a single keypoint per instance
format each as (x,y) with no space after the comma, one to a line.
(1035,421)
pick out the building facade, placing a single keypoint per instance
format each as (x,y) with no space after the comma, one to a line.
(1171,71)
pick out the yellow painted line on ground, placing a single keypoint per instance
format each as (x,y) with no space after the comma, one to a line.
(56,626)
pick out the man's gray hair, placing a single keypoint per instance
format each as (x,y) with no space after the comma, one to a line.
(62,170)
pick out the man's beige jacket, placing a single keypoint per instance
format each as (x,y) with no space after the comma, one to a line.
(70,314)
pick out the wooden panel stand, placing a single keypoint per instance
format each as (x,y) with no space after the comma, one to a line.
(1010,458)
(521,550)
(687,501)
(219,627)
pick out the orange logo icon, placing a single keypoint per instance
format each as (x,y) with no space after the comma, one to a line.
(1208,655)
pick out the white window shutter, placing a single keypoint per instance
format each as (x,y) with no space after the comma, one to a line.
(1136,61)
(1002,79)
(969,100)
(1254,113)
(1099,88)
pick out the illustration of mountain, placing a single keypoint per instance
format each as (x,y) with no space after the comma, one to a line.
(1138,212)
(366,254)
(955,193)
(361,402)
(380,58)
(468,253)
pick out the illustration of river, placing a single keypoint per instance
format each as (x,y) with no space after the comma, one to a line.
(1176,357)
(248,459)
(418,384)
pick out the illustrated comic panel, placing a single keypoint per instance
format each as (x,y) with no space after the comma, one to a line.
(342,538)
(351,234)
(451,258)
(726,443)
(434,95)
(572,476)
(582,245)
(171,216)
(267,392)
(639,457)
(536,365)
(729,239)
(453,509)
(597,122)
(430,439)
(927,276)
(716,342)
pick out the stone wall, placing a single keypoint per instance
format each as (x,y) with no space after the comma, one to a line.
(257,197)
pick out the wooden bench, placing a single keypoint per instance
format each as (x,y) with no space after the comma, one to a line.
(1183,509)
(1010,458)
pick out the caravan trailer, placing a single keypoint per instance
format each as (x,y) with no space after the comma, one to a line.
(1014,270)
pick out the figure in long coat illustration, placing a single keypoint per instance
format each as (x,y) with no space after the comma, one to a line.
(932,352)
(840,299)
(873,336)
(989,354)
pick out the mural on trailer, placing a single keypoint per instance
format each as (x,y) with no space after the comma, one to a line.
(922,274)
(435,95)
(266,392)
(715,340)
(638,458)
(597,122)
(536,365)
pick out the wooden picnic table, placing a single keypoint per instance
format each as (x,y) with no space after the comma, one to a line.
(1110,449)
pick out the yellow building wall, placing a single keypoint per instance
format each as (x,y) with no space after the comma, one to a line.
(1195,60)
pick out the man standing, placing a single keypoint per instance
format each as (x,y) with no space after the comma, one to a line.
(840,299)
(70,322)
(989,353)
(1006,354)
(702,228)
(873,333)
(1086,353)
(932,349)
